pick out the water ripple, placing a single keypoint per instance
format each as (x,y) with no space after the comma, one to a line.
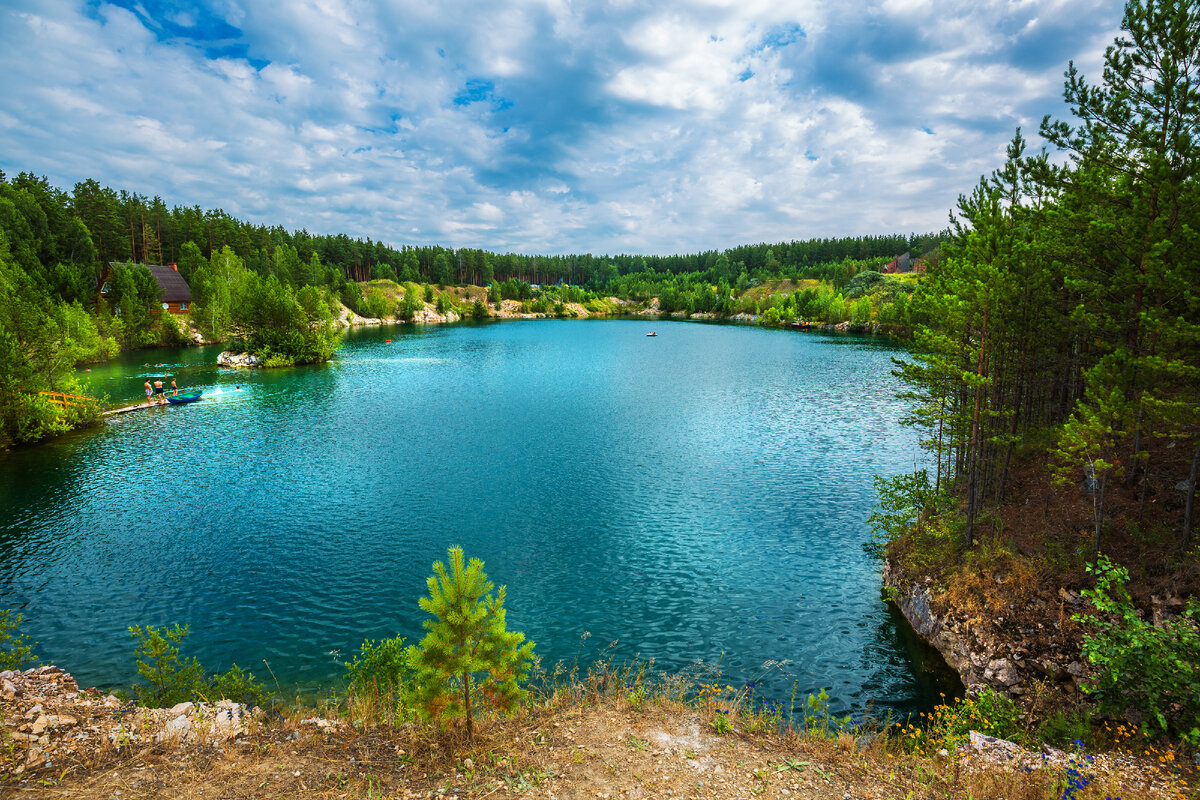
(698,496)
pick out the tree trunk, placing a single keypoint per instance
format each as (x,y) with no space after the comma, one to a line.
(467,704)
(1098,506)
(1191,499)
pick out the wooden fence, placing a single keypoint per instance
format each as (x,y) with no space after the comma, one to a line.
(64,400)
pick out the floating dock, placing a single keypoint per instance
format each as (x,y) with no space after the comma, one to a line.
(127,409)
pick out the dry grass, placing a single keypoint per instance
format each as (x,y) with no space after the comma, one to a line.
(609,735)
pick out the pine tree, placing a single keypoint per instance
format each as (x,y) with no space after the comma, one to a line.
(467,642)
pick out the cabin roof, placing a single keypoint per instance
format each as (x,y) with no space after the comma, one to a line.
(174,288)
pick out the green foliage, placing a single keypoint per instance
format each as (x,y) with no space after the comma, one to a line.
(1062,728)
(382,673)
(863,283)
(238,685)
(275,325)
(375,304)
(41,341)
(904,502)
(172,334)
(171,678)
(467,644)
(1155,669)
(479,310)
(215,286)
(949,725)
(15,648)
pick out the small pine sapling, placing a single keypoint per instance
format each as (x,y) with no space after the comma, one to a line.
(467,643)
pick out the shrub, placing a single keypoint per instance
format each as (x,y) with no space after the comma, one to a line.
(1154,669)
(383,670)
(863,283)
(904,502)
(170,678)
(15,648)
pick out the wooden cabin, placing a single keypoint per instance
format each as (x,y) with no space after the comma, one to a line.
(176,295)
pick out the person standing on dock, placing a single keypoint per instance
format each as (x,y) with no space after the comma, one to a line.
(174,388)
(158,390)
(149,391)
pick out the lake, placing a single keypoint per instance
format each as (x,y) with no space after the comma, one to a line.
(699,496)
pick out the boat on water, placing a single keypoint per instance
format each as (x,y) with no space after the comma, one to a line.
(652,333)
(185,397)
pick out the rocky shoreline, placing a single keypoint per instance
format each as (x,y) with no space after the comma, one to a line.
(1022,652)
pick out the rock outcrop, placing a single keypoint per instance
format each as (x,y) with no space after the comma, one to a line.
(238,360)
(48,719)
(1010,651)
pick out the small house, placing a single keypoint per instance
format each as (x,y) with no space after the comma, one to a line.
(176,295)
(897,265)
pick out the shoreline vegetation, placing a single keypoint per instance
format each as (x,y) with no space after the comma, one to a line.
(397,729)
(75,288)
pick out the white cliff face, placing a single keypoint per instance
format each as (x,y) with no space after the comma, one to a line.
(238,360)
(1009,655)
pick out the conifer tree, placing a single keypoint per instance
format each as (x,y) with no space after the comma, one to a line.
(467,643)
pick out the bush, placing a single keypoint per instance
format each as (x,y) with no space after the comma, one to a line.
(15,648)
(863,283)
(170,678)
(173,334)
(1153,669)
(382,672)
(30,418)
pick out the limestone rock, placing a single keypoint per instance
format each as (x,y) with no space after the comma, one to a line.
(228,723)
(238,360)
(181,709)
(177,730)
(324,725)
(992,747)
(8,689)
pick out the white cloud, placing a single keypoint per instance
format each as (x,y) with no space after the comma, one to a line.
(542,125)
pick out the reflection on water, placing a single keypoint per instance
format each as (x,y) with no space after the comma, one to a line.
(698,495)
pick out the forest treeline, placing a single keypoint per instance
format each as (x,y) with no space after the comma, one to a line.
(62,239)
(277,292)
(1064,320)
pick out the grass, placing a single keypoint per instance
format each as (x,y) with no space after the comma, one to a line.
(598,731)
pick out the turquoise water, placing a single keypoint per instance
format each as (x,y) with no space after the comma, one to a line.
(696,496)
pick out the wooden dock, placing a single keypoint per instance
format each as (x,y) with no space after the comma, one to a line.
(127,409)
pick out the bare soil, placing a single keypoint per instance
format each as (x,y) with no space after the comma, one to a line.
(569,746)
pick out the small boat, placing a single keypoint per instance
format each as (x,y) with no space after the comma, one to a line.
(185,397)
(652,333)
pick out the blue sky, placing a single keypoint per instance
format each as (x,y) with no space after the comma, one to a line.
(542,127)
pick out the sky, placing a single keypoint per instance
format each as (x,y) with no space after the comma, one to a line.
(542,126)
